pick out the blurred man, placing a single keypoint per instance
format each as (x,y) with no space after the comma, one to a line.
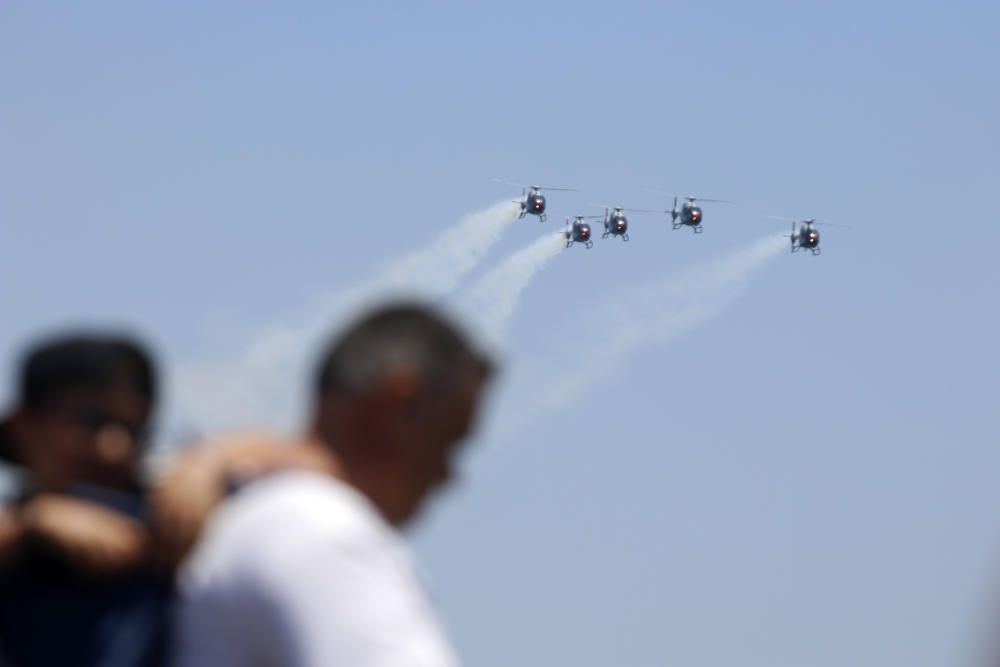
(307,568)
(75,582)
(86,551)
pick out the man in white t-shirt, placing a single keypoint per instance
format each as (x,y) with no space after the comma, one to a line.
(307,568)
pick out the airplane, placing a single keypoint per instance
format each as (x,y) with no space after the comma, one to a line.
(615,222)
(689,214)
(579,230)
(806,237)
(532,200)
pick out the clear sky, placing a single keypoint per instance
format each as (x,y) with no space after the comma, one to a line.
(807,479)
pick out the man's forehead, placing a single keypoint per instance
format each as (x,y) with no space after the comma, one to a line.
(462,392)
(464,401)
(475,384)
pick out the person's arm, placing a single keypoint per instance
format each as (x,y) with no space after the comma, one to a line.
(91,539)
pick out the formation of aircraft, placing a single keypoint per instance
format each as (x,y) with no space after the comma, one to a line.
(686,212)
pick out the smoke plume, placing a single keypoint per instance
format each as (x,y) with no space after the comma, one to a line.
(261,384)
(651,313)
(491,302)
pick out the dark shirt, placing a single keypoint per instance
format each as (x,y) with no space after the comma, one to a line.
(50,615)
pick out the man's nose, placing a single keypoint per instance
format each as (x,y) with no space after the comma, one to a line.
(115,443)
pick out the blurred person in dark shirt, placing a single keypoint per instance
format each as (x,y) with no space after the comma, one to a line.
(87,549)
(77,585)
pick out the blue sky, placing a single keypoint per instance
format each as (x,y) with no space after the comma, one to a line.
(808,478)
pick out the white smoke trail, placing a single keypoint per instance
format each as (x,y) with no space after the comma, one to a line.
(491,302)
(262,383)
(655,312)
(439,267)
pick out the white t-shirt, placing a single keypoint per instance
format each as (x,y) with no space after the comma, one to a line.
(300,570)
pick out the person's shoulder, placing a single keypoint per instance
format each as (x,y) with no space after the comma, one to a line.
(282,530)
(289,512)
(302,497)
